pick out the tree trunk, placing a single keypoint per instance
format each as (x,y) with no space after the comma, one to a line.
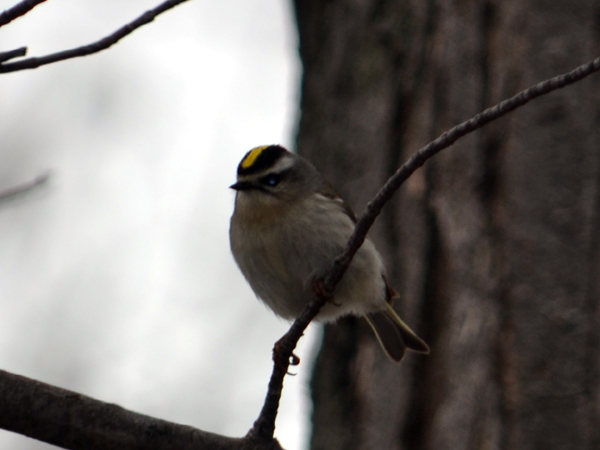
(494,244)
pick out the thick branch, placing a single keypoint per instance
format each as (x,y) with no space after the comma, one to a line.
(71,420)
(265,424)
(18,10)
(102,44)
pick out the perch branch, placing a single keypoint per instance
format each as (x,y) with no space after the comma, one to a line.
(446,140)
(264,426)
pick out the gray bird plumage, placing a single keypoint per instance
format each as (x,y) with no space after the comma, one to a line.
(288,226)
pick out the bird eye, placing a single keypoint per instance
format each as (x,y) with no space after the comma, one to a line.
(271,180)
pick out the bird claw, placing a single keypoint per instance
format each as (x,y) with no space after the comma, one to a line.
(293,359)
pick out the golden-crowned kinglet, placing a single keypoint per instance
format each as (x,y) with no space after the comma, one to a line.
(288,226)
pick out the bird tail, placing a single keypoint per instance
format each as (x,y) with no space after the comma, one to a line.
(393,334)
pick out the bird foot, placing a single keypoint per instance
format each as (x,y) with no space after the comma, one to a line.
(280,360)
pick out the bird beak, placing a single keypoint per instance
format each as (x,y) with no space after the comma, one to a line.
(242,186)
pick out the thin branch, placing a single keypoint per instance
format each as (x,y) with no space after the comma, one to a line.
(446,140)
(23,188)
(84,50)
(74,421)
(18,10)
(264,426)
(5,56)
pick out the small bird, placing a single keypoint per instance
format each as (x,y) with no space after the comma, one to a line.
(288,226)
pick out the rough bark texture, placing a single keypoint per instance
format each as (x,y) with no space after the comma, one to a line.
(494,245)
(74,421)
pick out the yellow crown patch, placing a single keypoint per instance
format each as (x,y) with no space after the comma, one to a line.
(252,155)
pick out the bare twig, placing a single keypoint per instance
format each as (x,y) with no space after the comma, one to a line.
(84,50)
(446,140)
(265,424)
(23,188)
(18,10)
(5,56)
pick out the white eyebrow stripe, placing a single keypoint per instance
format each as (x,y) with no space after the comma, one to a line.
(282,164)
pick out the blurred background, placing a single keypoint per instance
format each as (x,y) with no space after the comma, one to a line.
(116,279)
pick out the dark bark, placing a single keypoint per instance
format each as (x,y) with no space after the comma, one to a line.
(494,244)
(71,420)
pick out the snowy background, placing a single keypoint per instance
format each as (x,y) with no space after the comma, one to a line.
(116,279)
